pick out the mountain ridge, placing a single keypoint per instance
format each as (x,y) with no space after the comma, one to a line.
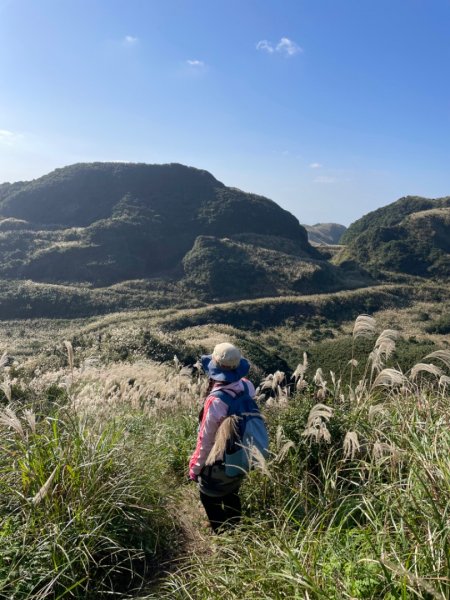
(103,223)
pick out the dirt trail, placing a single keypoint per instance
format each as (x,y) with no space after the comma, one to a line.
(191,517)
(195,536)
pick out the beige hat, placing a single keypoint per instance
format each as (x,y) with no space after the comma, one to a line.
(226,355)
(225,363)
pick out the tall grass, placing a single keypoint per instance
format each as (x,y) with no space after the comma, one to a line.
(81,514)
(357,503)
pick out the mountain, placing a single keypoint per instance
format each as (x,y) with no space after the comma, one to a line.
(325,233)
(409,236)
(104,223)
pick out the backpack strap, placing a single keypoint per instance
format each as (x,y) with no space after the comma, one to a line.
(221,395)
(228,399)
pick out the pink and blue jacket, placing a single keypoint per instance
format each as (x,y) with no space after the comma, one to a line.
(214,412)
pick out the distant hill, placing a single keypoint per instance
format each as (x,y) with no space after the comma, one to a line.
(325,233)
(392,214)
(410,236)
(104,223)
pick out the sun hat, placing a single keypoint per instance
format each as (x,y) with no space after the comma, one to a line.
(225,363)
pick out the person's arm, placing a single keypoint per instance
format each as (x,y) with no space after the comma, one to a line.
(214,413)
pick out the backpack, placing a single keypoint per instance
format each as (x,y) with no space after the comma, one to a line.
(248,429)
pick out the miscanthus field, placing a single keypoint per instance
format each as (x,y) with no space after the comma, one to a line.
(353,503)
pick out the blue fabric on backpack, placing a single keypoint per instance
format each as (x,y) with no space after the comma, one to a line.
(252,431)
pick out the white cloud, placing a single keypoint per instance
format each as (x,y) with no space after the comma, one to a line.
(197,64)
(285,46)
(130,40)
(288,47)
(325,179)
(315,166)
(265,46)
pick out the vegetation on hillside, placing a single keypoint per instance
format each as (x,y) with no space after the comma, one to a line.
(410,236)
(392,214)
(135,235)
(109,222)
(351,504)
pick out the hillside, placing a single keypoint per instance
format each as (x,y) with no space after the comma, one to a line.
(176,228)
(392,214)
(410,236)
(325,233)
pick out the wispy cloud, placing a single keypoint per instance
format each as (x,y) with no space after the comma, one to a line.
(130,40)
(285,46)
(325,179)
(315,166)
(9,138)
(265,46)
(196,64)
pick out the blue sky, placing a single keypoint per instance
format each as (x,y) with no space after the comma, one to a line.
(332,108)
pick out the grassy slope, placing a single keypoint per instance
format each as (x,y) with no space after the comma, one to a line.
(100,476)
(272,331)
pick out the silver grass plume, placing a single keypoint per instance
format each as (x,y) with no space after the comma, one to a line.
(278,378)
(333,378)
(70,356)
(319,411)
(9,418)
(321,394)
(386,341)
(31,419)
(374,410)
(266,384)
(318,377)
(299,372)
(382,450)
(282,444)
(318,432)
(351,445)
(226,431)
(361,387)
(425,368)
(316,426)
(443,355)
(352,396)
(383,349)
(376,360)
(42,493)
(282,395)
(364,326)
(301,385)
(258,461)
(389,378)
(336,383)
(5,386)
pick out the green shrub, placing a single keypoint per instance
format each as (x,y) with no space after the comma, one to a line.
(441,325)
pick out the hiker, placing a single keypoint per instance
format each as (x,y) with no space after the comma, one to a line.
(219,492)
